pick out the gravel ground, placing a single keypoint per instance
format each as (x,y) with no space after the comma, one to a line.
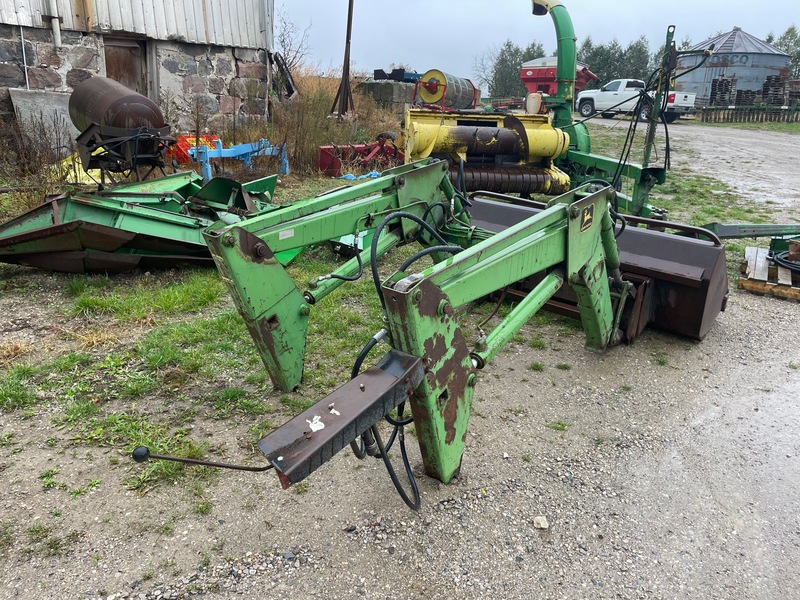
(674,477)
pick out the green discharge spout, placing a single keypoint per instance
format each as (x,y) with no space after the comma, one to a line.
(567,60)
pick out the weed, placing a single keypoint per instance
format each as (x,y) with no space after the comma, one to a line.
(536,366)
(792,365)
(625,389)
(662,360)
(6,535)
(527,458)
(558,425)
(15,390)
(301,488)
(7,439)
(167,527)
(48,478)
(538,343)
(203,507)
(37,533)
(563,366)
(84,489)
(205,558)
(259,430)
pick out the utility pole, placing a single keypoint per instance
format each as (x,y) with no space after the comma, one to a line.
(344,97)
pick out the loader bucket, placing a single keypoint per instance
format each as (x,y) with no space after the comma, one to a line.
(681,281)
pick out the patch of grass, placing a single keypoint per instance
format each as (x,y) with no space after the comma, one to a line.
(301,488)
(16,391)
(259,430)
(202,507)
(537,343)
(239,401)
(84,489)
(48,479)
(145,298)
(167,527)
(662,360)
(792,365)
(6,535)
(766,126)
(7,439)
(198,346)
(557,425)
(37,533)
(563,366)
(297,403)
(76,411)
(536,366)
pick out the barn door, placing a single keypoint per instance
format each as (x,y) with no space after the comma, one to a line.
(126,62)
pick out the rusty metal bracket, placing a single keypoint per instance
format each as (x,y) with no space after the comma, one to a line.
(302,445)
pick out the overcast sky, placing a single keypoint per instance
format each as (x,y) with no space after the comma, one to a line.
(431,34)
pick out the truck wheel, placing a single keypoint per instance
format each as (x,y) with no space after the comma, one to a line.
(607,115)
(670,117)
(644,113)
(586,108)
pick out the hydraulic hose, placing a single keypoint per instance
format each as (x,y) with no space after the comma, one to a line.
(379,229)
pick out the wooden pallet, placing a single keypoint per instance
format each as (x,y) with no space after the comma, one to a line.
(759,276)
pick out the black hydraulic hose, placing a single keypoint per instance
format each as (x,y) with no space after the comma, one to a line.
(358,274)
(782,258)
(359,448)
(615,216)
(426,251)
(415,504)
(378,230)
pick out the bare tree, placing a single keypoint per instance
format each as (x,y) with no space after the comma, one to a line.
(291,42)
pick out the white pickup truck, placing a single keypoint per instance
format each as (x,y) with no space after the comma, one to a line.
(620,97)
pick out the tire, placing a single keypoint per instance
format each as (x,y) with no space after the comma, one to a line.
(644,113)
(586,108)
(671,117)
(607,115)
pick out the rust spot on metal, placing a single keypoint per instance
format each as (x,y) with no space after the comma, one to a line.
(252,247)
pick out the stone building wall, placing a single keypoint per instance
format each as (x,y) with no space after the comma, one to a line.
(220,81)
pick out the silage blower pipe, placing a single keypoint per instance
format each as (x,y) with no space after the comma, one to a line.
(566,66)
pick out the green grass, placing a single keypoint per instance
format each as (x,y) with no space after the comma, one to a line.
(15,390)
(557,425)
(537,343)
(146,297)
(6,536)
(536,366)
(793,128)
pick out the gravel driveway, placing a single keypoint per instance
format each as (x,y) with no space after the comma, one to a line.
(664,469)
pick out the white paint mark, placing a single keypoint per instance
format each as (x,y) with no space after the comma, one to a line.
(316,423)
(286,234)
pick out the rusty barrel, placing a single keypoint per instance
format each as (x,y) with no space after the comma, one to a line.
(105,102)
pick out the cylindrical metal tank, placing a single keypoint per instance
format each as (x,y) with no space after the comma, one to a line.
(743,70)
(438,87)
(107,102)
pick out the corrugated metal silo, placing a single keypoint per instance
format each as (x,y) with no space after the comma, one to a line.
(743,71)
